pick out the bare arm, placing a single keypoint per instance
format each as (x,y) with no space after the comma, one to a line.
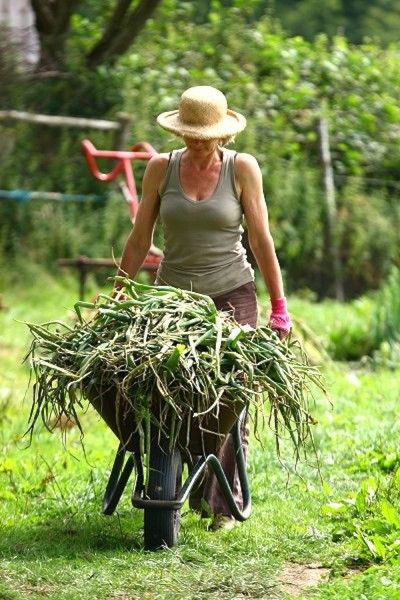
(249,184)
(141,236)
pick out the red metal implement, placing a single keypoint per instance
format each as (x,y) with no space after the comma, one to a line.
(139,151)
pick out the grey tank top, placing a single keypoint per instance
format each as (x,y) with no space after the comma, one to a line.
(203,251)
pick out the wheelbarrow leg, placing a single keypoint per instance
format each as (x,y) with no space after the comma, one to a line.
(118,479)
(161,526)
(241,466)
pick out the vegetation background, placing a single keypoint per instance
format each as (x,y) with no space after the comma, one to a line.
(282,82)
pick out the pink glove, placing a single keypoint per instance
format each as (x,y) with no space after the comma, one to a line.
(279,319)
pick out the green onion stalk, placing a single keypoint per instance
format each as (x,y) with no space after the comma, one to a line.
(149,341)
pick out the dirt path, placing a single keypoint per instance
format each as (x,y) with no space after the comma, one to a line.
(295,578)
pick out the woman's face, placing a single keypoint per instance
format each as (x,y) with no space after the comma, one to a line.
(201,147)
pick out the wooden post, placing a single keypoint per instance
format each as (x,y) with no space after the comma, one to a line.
(82,280)
(329,186)
(121,138)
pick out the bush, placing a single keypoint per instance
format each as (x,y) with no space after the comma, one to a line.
(367,239)
(43,231)
(386,322)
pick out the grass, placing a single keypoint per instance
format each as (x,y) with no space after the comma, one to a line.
(55,543)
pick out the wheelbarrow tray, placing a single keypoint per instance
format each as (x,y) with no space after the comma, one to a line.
(198,437)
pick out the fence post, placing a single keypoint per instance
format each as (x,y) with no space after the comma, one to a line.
(121,139)
(331,210)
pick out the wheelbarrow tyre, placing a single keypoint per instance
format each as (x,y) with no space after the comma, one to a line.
(161,527)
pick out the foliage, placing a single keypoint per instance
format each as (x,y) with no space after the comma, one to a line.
(8,69)
(387,355)
(366,327)
(351,336)
(371,516)
(279,83)
(377,19)
(387,313)
(367,238)
(386,322)
(371,19)
(45,230)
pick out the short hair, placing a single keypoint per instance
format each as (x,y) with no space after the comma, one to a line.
(225,141)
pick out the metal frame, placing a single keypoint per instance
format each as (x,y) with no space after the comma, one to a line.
(121,473)
(139,151)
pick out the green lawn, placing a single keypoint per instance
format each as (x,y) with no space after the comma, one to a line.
(55,543)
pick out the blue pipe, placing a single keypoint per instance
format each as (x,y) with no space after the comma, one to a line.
(27,195)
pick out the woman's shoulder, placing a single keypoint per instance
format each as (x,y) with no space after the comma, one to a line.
(159,160)
(243,158)
(246,164)
(157,166)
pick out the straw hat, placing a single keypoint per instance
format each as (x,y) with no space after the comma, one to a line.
(203,114)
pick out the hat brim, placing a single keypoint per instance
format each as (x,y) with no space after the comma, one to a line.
(231,124)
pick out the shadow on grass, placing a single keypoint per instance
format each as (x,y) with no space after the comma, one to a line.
(67,536)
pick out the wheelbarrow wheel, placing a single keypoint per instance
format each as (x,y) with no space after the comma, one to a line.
(161,526)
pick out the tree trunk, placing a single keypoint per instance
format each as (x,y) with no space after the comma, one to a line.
(121,31)
(52,21)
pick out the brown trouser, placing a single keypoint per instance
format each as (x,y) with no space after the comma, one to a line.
(242,303)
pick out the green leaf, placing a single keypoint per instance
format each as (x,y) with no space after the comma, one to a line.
(360,502)
(7,495)
(377,526)
(334,508)
(234,337)
(173,360)
(390,513)
(369,543)
(8,466)
(369,488)
(380,547)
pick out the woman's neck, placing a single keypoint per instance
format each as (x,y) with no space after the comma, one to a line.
(202,160)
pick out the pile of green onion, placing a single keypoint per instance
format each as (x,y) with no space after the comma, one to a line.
(164,340)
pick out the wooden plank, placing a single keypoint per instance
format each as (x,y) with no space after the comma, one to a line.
(84,261)
(83,264)
(59,121)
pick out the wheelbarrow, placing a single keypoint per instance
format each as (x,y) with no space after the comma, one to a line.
(165,493)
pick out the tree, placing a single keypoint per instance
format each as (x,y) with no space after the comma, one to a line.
(356,19)
(126,18)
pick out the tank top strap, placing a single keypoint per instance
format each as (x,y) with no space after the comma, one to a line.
(228,167)
(171,172)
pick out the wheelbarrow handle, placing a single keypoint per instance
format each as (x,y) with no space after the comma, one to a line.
(139,151)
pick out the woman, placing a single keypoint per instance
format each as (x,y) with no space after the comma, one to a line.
(201,194)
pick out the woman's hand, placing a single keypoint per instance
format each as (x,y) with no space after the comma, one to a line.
(279,319)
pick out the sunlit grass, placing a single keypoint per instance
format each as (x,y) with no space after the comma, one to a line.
(55,543)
